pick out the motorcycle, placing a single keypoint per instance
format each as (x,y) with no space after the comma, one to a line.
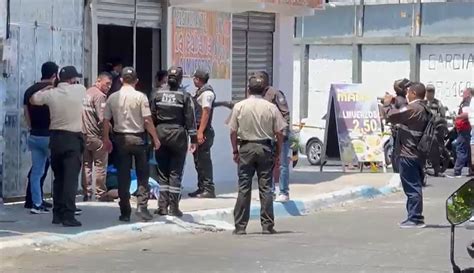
(459,209)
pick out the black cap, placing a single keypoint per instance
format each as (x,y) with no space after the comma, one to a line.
(68,72)
(175,72)
(256,84)
(201,74)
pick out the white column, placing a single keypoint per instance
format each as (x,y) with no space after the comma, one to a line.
(283,56)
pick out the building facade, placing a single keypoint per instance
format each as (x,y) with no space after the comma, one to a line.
(230,38)
(375,42)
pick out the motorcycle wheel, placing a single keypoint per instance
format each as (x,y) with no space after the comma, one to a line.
(388,150)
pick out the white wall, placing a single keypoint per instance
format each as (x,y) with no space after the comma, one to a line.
(3,21)
(382,65)
(283,57)
(327,65)
(225,170)
(450,68)
(295,113)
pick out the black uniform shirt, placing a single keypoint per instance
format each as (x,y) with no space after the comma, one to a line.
(174,108)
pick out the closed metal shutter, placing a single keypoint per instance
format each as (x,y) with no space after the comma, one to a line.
(252,48)
(122,12)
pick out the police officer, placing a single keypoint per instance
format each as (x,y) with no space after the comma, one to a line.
(204,105)
(65,103)
(437,109)
(412,119)
(173,115)
(433,103)
(277,97)
(131,113)
(256,122)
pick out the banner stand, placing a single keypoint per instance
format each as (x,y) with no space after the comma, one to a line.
(353,132)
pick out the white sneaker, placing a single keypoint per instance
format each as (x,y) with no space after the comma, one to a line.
(282,198)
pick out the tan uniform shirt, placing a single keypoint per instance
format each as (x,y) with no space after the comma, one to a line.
(256,119)
(65,104)
(128,108)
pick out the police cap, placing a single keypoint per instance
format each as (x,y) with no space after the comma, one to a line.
(175,72)
(129,74)
(256,84)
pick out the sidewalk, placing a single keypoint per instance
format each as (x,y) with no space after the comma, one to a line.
(310,191)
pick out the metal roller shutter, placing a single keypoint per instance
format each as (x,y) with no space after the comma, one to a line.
(121,13)
(252,48)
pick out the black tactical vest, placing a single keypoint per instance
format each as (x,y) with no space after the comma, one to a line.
(198,108)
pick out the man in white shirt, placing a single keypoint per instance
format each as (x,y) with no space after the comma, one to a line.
(65,104)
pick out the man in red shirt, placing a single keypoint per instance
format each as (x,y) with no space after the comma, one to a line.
(463,128)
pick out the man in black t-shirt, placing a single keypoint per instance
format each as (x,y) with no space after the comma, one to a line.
(38,120)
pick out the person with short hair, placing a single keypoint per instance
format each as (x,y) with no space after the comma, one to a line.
(38,121)
(131,113)
(463,128)
(65,104)
(114,67)
(161,79)
(412,119)
(282,168)
(95,154)
(204,106)
(433,103)
(257,123)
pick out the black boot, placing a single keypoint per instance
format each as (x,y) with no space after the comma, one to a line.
(195,193)
(174,205)
(163,203)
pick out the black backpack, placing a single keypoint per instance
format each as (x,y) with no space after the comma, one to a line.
(435,123)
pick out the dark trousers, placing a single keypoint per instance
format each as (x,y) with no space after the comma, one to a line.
(28,200)
(171,158)
(463,152)
(255,157)
(411,174)
(132,147)
(203,162)
(66,157)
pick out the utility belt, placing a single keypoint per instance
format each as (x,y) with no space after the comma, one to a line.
(65,133)
(142,134)
(267,142)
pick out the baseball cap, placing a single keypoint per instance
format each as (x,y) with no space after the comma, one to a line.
(256,83)
(129,73)
(68,72)
(201,74)
(175,72)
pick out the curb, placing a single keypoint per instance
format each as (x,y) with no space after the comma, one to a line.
(217,219)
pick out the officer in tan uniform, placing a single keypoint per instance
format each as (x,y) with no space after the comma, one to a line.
(256,122)
(131,113)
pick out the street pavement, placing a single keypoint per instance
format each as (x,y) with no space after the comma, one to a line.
(361,236)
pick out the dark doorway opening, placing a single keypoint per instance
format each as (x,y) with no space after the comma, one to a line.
(117,42)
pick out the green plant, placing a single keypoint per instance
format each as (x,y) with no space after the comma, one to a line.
(462,204)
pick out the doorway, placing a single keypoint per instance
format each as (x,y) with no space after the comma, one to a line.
(116,42)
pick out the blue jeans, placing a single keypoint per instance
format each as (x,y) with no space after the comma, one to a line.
(38,146)
(463,152)
(411,174)
(284,169)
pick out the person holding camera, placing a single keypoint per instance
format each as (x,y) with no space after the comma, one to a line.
(411,120)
